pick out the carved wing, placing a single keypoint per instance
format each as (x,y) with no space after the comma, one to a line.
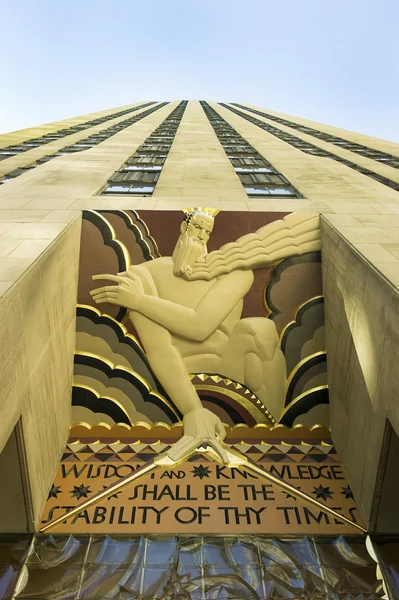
(296,233)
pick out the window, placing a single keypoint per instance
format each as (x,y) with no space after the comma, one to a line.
(143,175)
(90,141)
(142,190)
(371,153)
(256,174)
(55,135)
(146,160)
(140,173)
(309,148)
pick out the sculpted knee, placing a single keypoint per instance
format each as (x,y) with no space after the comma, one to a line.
(263,335)
(253,371)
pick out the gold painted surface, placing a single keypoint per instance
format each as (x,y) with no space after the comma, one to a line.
(110,398)
(114,237)
(301,396)
(139,232)
(300,364)
(294,321)
(258,414)
(263,433)
(210,492)
(122,327)
(134,374)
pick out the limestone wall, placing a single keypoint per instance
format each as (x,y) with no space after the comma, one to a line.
(39,244)
(362,337)
(37,321)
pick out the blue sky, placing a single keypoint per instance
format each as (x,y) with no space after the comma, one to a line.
(335,62)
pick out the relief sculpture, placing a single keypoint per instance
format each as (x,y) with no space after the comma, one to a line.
(187,309)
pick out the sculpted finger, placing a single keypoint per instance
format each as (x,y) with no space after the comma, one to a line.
(103,295)
(183,447)
(108,300)
(115,278)
(219,449)
(128,274)
(107,288)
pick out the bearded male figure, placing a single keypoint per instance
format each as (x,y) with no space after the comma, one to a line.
(187,311)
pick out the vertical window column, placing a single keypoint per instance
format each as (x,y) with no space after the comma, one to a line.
(140,173)
(382,157)
(309,148)
(257,175)
(84,144)
(16,149)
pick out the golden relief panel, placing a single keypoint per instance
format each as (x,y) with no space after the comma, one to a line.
(202,280)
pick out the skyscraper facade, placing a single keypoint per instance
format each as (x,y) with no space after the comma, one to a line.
(298,359)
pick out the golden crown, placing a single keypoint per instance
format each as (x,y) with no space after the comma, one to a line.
(212,212)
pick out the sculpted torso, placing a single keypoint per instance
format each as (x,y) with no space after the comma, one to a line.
(189,294)
(187,312)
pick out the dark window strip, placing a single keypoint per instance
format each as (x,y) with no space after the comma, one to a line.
(140,173)
(382,157)
(15,149)
(257,175)
(84,144)
(309,148)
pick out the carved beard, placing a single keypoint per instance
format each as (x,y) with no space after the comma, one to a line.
(187,252)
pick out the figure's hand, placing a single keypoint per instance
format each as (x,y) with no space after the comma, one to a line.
(127,292)
(199,426)
(186,271)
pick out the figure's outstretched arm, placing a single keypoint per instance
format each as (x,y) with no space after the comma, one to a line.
(296,233)
(194,324)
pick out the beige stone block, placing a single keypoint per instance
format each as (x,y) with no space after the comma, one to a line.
(63,418)
(8,201)
(12,268)
(354,208)
(175,191)
(60,216)
(30,248)
(7,246)
(113,202)
(4,287)
(391,208)
(235,205)
(390,270)
(343,220)
(379,220)
(232,195)
(364,235)
(392,248)
(36,334)
(5,228)
(281,205)
(22,216)
(178,203)
(377,253)
(70,337)
(34,230)
(43,203)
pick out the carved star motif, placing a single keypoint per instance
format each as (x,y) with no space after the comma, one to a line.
(80,491)
(55,490)
(201,471)
(347,492)
(290,495)
(322,492)
(113,495)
